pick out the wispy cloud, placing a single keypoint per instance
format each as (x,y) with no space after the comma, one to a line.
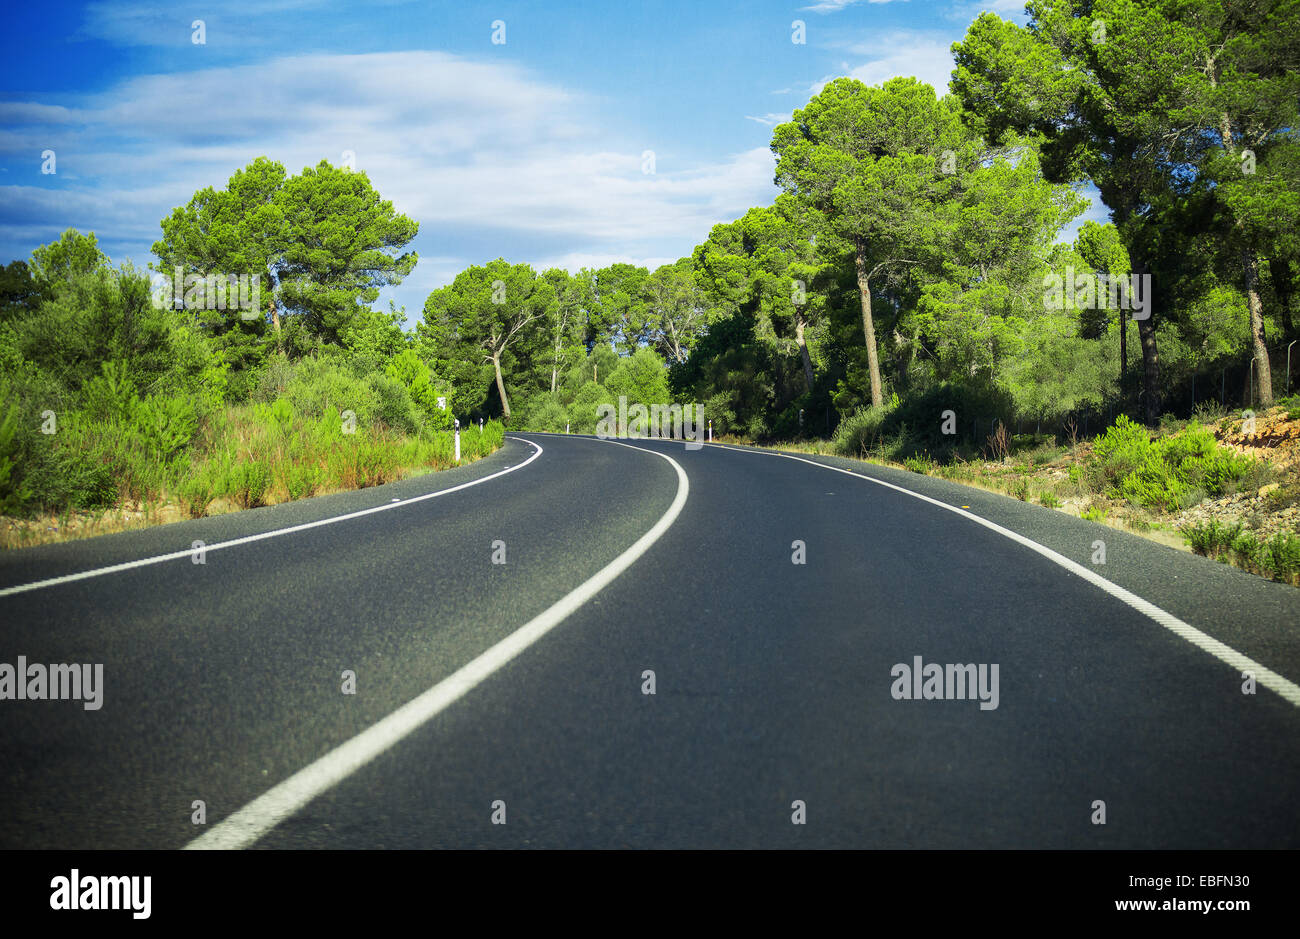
(232,23)
(834,6)
(899,52)
(770,119)
(467,145)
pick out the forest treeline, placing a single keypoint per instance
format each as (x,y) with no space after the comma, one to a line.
(911,265)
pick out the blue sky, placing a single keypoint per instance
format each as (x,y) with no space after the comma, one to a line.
(531,150)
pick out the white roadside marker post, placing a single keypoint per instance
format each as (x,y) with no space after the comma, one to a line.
(710,431)
(457,440)
(566,428)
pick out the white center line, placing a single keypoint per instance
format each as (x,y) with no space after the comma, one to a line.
(280,802)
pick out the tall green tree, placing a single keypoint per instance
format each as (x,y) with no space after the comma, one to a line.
(341,241)
(1150,101)
(870,161)
(1103,251)
(622,306)
(566,319)
(236,231)
(679,310)
(494,313)
(985,290)
(322,244)
(765,265)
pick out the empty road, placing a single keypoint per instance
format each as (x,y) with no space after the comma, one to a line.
(503,623)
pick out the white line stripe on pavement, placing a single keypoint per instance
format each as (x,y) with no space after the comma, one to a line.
(1221,651)
(189,552)
(284,799)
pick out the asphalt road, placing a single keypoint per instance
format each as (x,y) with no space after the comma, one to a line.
(491,692)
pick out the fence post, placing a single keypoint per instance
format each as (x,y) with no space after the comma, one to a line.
(1288,364)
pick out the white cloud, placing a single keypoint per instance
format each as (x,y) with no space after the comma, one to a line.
(834,6)
(771,119)
(900,52)
(456,144)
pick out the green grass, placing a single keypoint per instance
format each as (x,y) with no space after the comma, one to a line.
(1277,557)
(119,450)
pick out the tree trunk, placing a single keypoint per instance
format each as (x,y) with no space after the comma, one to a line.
(501,386)
(1282,287)
(1150,354)
(868,327)
(1151,370)
(1123,343)
(1263,376)
(803,351)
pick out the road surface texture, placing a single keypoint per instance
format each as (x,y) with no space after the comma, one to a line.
(504,705)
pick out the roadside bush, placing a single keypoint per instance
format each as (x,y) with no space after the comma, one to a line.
(1283,556)
(1164,473)
(393,406)
(548,415)
(860,432)
(166,424)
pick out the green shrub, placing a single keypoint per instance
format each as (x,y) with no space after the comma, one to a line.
(393,405)
(110,395)
(1282,556)
(859,432)
(247,483)
(1170,473)
(546,414)
(166,424)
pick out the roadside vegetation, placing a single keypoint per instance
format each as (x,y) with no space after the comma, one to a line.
(910,295)
(118,410)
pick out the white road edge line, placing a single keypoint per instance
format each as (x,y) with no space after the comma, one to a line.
(1221,651)
(176,555)
(258,817)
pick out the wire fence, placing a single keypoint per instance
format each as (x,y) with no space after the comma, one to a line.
(1231,386)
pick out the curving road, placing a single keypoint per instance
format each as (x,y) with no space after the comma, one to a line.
(515,691)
